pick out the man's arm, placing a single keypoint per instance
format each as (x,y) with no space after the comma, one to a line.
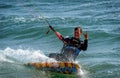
(85,44)
(59,36)
(57,33)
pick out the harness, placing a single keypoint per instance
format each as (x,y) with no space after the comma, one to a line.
(70,52)
(71,49)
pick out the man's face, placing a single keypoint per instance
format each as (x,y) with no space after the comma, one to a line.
(77,33)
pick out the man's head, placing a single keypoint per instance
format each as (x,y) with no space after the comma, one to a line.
(77,32)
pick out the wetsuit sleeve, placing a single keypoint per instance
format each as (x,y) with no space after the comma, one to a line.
(84,45)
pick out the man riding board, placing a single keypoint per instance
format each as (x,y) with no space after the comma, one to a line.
(72,45)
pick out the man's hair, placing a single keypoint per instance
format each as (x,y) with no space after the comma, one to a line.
(76,28)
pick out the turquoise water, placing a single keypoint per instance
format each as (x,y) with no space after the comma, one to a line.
(23,35)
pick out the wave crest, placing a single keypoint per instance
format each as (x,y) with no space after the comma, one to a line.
(26,55)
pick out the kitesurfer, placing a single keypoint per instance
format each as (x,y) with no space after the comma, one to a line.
(72,45)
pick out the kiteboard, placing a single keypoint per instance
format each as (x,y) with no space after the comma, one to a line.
(59,67)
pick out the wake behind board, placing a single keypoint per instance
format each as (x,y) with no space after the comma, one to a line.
(59,67)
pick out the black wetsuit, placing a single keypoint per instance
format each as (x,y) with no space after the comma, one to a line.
(72,47)
(70,50)
(71,41)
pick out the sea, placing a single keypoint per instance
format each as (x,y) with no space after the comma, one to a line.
(23,38)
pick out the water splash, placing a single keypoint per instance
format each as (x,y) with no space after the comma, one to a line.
(4,59)
(26,55)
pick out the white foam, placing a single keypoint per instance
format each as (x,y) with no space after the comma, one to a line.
(24,19)
(19,19)
(82,73)
(26,55)
(4,59)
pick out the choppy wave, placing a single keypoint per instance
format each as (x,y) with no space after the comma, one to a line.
(23,34)
(3,6)
(23,56)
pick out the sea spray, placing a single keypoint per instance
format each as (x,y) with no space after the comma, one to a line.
(26,55)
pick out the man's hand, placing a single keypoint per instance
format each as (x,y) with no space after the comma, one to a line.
(86,35)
